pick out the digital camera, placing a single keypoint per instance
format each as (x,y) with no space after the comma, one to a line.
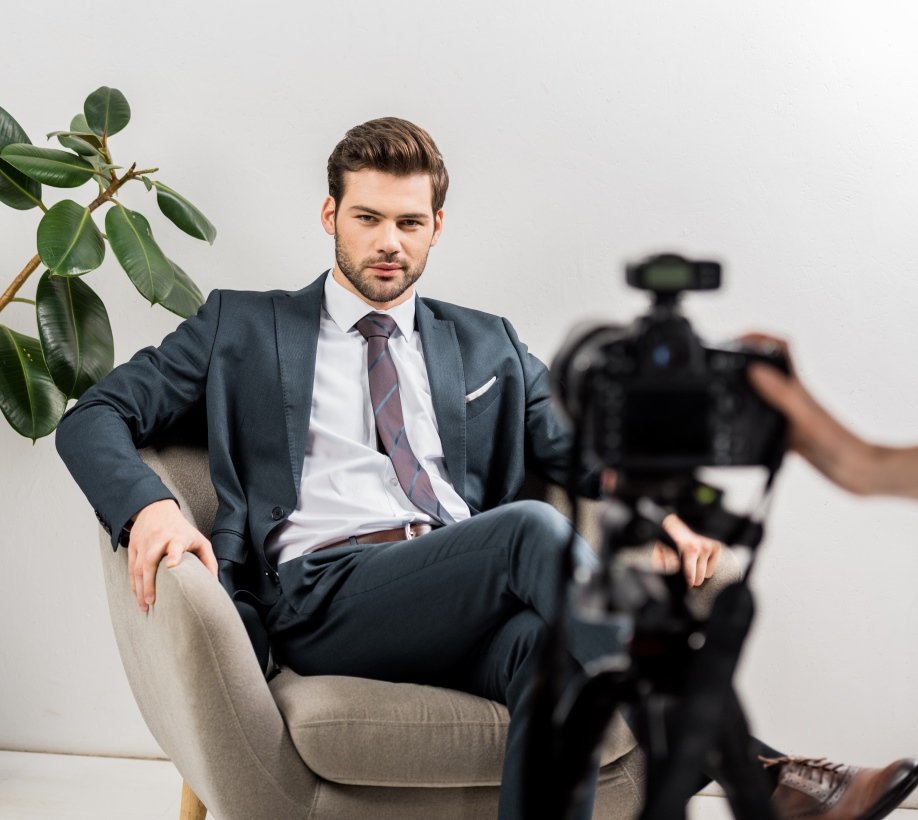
(651,397)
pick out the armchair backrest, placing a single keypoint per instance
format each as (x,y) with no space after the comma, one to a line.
(186,472)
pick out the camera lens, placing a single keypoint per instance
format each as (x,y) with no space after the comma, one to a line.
(661,355)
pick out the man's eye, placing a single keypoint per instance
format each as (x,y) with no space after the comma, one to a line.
(366,218)
(411,223)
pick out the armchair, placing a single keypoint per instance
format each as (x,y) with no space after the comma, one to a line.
(312,747)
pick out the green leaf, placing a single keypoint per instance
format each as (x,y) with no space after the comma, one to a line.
(69,242)
(75,333)
(49,165)
(183,214)
(29,399)
(132,241)
(107,111)
(16,189)
(185,297)
(79,138)
(148,183)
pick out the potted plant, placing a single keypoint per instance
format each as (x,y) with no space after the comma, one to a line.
(74,348)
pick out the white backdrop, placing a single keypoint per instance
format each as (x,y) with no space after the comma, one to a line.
(779,137)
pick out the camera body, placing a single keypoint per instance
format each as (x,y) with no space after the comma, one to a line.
(651,397)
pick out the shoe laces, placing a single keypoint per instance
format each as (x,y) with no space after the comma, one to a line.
(814,768)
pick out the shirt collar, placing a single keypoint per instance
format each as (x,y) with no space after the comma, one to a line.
(346,308)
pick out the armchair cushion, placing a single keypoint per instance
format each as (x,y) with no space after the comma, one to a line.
(374,733)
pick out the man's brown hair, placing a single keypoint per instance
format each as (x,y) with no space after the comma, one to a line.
(393,146)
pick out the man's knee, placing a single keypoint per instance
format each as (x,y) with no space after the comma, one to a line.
(540,526)
(540,519)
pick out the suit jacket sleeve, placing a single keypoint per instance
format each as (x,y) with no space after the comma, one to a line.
(549,435)
(98,438)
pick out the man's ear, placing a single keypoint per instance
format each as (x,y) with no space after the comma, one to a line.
(438,227)
(328,215)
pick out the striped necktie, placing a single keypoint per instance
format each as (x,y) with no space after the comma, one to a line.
(376,328)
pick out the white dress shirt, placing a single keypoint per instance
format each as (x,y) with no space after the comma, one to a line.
(348,487)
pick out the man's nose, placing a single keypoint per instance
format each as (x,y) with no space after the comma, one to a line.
(388,238)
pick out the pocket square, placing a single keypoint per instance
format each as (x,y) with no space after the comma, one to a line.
(481,390)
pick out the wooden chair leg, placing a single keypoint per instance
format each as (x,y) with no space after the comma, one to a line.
(192,808)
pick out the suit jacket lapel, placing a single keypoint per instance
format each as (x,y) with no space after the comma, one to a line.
(447,385)
(296,325)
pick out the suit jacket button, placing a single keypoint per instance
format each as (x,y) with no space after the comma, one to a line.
(277,513)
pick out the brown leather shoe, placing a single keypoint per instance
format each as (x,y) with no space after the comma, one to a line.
(808,787)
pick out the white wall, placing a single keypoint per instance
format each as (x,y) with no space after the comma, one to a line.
(777,136)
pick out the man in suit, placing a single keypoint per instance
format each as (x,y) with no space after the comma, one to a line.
(366,447)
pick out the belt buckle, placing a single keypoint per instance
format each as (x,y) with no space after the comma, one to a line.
(409,533)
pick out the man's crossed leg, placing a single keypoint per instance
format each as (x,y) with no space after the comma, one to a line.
(465,607)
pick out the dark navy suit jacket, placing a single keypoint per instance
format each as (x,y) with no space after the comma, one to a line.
(249,359)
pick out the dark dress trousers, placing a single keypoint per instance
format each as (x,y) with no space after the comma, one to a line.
(463,606)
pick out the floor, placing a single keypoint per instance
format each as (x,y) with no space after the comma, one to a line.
(70,787)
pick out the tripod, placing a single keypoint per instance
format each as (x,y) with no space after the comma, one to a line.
(676,674)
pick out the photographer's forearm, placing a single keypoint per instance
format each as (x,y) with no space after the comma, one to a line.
(854,464)
(892,471)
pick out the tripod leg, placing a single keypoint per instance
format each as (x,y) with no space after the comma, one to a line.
(741,775)
(695,715)
(582,718)
(707,716)
(663,800)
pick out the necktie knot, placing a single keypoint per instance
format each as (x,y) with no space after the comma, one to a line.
(376,324)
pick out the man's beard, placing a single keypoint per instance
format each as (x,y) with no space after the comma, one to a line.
(371,289)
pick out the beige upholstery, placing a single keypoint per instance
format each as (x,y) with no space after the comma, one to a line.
(308,747)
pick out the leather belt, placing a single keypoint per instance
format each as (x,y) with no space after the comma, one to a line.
(405,533)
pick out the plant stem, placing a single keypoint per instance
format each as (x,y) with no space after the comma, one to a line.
(19,281)
(109,192)
(24,301)
(106,195)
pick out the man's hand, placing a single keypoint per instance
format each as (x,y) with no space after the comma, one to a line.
(160,530)
(699,555)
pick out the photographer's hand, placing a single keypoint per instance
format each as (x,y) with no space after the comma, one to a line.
(843,457)
(699,555)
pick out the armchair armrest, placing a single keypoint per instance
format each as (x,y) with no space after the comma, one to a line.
(200,690)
